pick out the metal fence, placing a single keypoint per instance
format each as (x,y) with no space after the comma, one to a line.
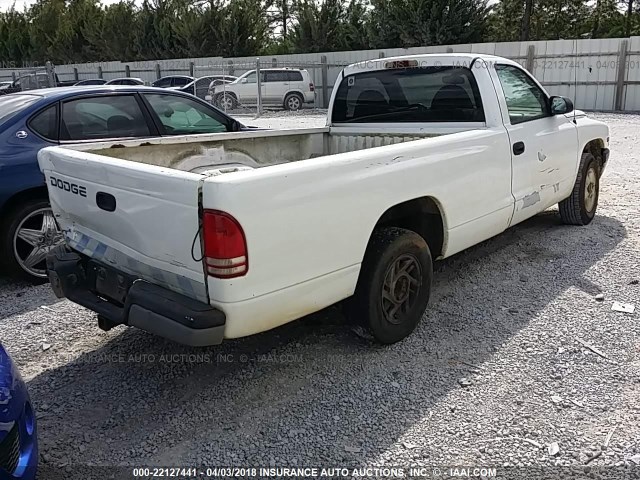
(271,88)
(599,74)
(29,78)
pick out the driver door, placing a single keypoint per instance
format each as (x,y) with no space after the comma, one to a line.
(543,146)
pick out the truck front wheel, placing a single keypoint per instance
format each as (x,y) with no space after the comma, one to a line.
(580,207)
(394,284)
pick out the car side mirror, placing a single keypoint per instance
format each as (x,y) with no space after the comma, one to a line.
(561,105)
(244,80)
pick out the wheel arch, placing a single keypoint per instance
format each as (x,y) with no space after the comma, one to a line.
(294,92)
(424,216)
(595,147)
(18,198)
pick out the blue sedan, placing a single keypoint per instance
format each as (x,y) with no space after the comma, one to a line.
(18,443)
(36,119)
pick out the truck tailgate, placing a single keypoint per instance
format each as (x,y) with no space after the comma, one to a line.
(139,218)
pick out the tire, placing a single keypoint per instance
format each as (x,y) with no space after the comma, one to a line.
(40,234)
(229,99)
(580,207)
(378,293)
(293,102)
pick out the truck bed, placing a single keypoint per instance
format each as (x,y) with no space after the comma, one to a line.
(254,150)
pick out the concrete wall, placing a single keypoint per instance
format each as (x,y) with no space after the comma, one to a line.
(601,74)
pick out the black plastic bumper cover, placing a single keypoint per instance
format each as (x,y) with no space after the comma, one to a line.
(144,305)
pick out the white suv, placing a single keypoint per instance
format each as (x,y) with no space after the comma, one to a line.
(288,88)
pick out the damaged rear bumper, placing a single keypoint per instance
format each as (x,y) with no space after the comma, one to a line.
(120,299)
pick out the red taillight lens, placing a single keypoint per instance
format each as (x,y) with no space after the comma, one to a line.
(312,87)
(225,247)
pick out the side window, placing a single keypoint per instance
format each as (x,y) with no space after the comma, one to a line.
(103,117)
(45,123)
(183,116)
(163,82)
(525,100)
(180,82)
(276,76)
(251,78)
(293,76)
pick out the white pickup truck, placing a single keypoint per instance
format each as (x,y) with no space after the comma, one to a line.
(220,236)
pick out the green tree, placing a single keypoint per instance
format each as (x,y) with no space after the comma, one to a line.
(319,26)
(413,23)
(548,20)
(245,29)
(84,19)
(49,31)
(156,35)
(15,45)
(117,40)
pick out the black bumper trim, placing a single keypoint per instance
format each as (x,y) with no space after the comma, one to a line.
(146,306)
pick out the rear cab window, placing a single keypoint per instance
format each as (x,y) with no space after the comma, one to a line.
(411,94)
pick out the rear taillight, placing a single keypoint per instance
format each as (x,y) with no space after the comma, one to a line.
(312,87)
(225,247)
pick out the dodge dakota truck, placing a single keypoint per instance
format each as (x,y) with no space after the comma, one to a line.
(221,236)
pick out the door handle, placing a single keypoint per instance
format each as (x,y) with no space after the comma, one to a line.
(518,148)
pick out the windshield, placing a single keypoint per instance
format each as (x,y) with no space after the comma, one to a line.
(418,94)
(12,104)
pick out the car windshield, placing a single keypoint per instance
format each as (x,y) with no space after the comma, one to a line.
(12,104)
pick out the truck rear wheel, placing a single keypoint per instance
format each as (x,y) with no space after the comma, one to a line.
(394,284)
(580,207)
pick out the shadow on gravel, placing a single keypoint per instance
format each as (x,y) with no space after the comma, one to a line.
(19,296)
(311,390)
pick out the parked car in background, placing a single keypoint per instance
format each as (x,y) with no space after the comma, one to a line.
(66,83)
(90,81)
(6,84)
(288,88)
(200,86)
(59,116)
(125,81)
(18,433)
(173,81)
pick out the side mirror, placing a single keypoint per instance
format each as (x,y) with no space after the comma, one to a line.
(244,80)
(561,105)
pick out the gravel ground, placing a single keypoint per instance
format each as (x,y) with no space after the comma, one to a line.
(497,374)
